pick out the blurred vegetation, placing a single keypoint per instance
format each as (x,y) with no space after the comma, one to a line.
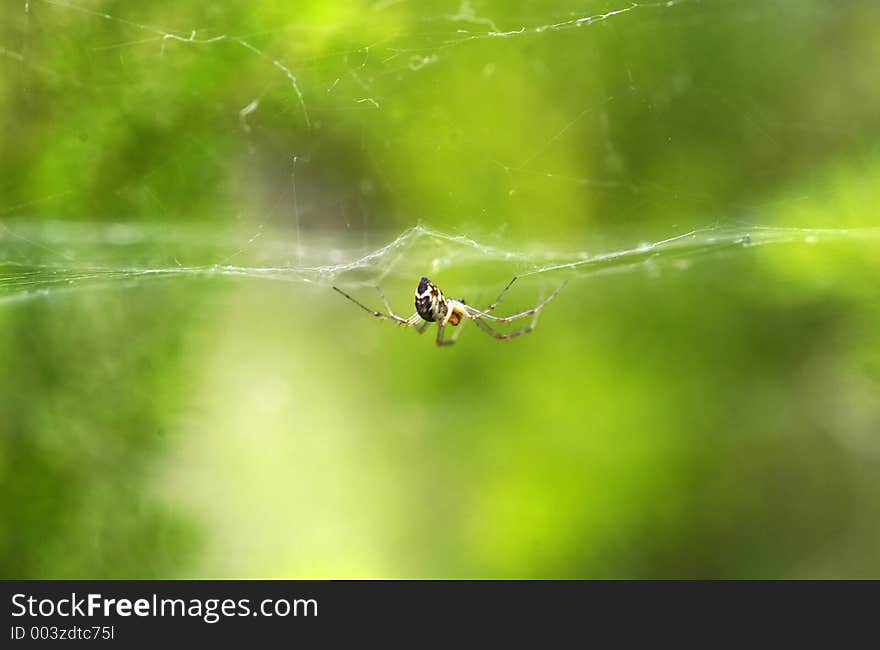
(721,419)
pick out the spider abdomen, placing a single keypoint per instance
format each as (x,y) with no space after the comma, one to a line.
(430,303)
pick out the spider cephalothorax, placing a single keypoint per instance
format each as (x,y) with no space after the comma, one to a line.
(433,307)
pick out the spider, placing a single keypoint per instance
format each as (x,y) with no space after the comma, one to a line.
(432,306)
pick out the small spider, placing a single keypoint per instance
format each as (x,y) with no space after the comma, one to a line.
(433,307)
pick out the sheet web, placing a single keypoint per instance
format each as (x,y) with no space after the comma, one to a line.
(38,261)
(41,256)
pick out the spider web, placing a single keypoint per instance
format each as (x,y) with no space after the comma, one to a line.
(414,252)
(292,230)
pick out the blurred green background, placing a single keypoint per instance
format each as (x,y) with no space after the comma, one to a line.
(708,417)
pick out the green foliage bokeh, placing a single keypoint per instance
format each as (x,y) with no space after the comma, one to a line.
(721,421)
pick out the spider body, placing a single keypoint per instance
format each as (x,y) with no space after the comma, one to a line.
(433,307)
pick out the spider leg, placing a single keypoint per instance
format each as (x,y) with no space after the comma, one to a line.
(501,295)
(385,302)
(477,314)
(440,340)
(458,330)
(412,321)
(505,336)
